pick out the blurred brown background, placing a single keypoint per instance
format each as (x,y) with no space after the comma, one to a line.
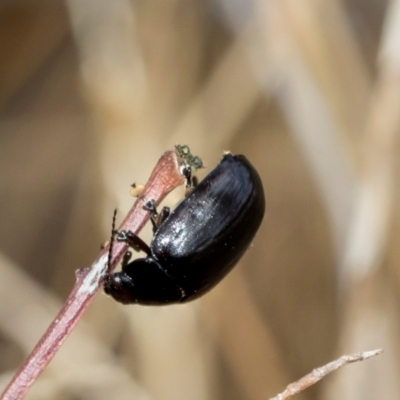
(93,92)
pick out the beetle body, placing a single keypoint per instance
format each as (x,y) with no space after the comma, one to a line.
(199,242)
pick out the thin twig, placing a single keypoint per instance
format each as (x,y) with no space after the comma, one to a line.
(164,178)
(318,373)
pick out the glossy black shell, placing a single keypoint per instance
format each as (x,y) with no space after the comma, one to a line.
(207,234)
(200,241)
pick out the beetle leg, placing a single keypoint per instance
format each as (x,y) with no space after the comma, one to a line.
(133,241)
(125,260)
(186,171)
(191,180)
(156,218)
(150,206)
(163,215)
(195,181)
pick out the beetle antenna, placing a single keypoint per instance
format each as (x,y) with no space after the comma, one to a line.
(112,239)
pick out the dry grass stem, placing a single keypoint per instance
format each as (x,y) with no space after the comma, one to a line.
(319,373)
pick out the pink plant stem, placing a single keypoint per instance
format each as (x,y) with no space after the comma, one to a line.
(165,177)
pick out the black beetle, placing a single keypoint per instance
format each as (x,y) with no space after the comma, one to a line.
(196,245)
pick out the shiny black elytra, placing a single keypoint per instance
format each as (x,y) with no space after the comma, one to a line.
(195,246)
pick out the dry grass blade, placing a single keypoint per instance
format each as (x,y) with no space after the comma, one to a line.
(319,373)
